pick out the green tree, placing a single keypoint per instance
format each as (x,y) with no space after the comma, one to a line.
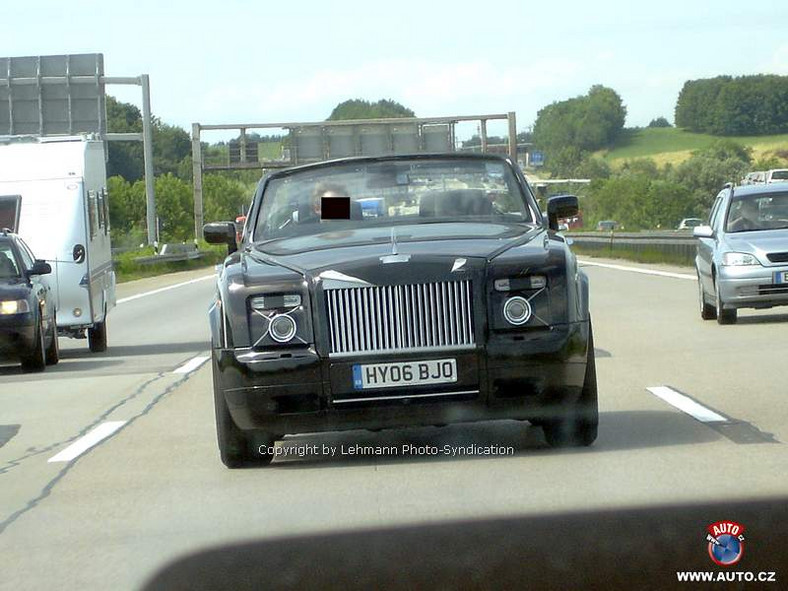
(174,208)
(225,198)
(170,144)
(361,109)
(709,169)
(588,122)
(660,122)
(124,158)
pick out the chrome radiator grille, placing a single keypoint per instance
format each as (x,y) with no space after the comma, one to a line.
(400,317)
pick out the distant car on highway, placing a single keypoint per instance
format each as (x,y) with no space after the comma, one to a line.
(777,175)
(393,291)
(606,226)
(742,254)
(28,330)
(689,223)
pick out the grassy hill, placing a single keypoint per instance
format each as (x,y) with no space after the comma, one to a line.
(671,145)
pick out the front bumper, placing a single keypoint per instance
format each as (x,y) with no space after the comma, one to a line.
(532,375)
(752,286)
(17,335)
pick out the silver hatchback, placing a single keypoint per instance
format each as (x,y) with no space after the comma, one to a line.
(742,256)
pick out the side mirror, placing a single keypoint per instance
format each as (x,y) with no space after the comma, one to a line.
(221,233)
(40,268)
(703,232)
(561,206)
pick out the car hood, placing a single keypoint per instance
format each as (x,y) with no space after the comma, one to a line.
(762,241)
(14,289)
(376,259)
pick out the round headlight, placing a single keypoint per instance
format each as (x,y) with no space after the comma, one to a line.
(283,328)
(517,310)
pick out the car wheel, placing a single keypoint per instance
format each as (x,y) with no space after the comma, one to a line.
(723,316)
(36,361)
(707,311)
(578,427)
(97,337)
(53,351)
(236,447)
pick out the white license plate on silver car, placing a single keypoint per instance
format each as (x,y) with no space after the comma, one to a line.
(406,373)
(781,277)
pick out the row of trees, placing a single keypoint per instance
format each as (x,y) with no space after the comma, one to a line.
(223,199)
(641,195)
(225,195)
(745,105)
(172,146)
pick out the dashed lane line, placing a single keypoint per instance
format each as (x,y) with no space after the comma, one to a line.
(83,444)
(192,365)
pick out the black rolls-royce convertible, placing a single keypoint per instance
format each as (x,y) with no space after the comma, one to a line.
(399,291)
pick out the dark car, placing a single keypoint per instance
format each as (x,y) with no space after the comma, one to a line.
(28,329)
(457,302)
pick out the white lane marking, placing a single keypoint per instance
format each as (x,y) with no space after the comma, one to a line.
(637,270)
(84,443)
(162,289)
(192,364)
(687,405)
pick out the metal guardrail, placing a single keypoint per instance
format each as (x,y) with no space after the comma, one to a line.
(678,246)
(172,253)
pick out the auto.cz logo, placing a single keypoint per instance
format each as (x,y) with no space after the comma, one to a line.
(726,542)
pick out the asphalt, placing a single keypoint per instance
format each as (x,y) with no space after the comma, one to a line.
(155,490)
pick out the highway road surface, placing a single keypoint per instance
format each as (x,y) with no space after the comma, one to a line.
(109,467)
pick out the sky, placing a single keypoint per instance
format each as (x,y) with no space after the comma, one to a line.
(245,61)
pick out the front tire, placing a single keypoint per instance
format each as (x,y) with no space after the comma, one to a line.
(724,316)
(707,311)
(53,351)
(237,448)
(36,360)
(579,426)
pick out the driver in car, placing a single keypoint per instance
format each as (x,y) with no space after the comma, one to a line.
(747,217)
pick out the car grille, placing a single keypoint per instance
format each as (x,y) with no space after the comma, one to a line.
(381,319)
(778,257)
(772,289)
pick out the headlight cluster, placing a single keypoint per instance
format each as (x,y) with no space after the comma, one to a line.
(739,259)
(277,319)
(515,300)
(9,307)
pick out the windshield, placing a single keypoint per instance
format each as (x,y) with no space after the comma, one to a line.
(364,195)
(758,212)
(8,266)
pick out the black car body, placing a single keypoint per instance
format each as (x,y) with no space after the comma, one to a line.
(432,291)
(28,330)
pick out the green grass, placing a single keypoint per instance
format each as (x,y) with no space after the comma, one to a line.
(668,144)
(128,269)
(648,256)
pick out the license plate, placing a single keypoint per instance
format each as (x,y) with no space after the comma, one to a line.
(407,373)
(781,277)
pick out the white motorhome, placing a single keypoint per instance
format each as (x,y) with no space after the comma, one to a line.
(53,191)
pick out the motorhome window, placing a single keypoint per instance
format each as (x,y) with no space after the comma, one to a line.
(100,209)
(9,212)
(92,213)
(106,210)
